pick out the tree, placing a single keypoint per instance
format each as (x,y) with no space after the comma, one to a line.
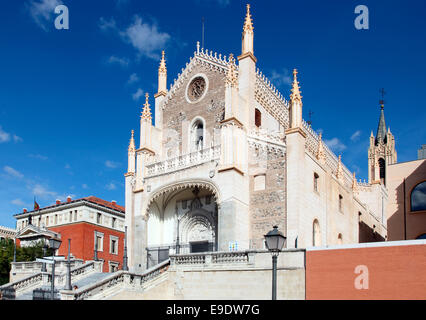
(22,254)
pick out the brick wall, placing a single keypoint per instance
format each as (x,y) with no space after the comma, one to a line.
(394,272)
(82,242)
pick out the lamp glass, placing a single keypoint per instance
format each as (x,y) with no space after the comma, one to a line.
(54,243)
(274,240)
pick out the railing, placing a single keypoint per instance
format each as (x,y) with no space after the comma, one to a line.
(183,161)
(41,278)
(212,258)
(25,283)
(32,267)
(115,281)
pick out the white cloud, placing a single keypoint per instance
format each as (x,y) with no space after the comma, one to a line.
(84,186)
(110,186)
(67,166)
(12,172)
(137,94)
(145,38)
(38,156)
(18,202)
(124,62)
(133,78)
(4,136)
(42,11)
(40,191)
(335,144)
(221,3)
(106,25)
(17,139)
(355,136)
(111,164)
(280,78)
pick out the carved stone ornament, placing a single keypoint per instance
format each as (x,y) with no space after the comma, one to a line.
(196,89)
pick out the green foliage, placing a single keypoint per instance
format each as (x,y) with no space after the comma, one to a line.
(22,254)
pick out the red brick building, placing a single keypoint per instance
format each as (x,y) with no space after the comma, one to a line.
(371,271)
(91,223)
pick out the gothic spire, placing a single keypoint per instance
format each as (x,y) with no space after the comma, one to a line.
(146,112)
(381,128)
(248,23)
(231,75)
(295,90)
(162,68)
(320,151)
(248,35)
(132,143)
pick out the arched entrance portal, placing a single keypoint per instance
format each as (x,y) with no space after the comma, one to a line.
(181,220)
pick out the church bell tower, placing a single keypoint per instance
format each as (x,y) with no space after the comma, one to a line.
(382,151)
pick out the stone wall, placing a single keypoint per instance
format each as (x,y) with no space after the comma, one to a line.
(268,196)
(179,113)
(228,280)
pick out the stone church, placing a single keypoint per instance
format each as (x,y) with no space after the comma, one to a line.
(227,157)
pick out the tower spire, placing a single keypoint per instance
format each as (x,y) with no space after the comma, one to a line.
(248,36)
(231,76)
(381,128)
(132,147)
(295,90)
(295,104)
(146,112)
(162,76)
(248,23)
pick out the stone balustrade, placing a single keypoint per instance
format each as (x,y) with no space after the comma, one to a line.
(212,259)
(39,278)
(183,161)
(113,283)
(25,284)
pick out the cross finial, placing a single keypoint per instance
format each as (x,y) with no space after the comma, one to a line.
(382,101)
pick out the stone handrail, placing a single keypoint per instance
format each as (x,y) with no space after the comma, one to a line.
(25,283)
(212,258)
(183,161)
(120,278)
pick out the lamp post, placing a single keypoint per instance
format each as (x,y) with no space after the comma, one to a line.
(54,244)
(68,286)
(43,266)
(125,266)
(274,242)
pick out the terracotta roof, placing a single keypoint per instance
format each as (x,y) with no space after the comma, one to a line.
(91,199)
(105,203)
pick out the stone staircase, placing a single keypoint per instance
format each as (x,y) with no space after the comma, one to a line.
(81,276)
(106,287)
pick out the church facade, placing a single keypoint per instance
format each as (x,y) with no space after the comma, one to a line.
(228,157)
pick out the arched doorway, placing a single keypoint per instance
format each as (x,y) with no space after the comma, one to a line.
(182,218)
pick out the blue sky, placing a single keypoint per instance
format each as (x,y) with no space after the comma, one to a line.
(69,98)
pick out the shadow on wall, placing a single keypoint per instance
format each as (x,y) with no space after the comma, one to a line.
(368,234)
(403,223)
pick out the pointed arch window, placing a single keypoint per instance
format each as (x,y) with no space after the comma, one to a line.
(418,197)
(257,118)
(382,166)
(197,135)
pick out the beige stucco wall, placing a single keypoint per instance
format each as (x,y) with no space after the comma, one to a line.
(414,172)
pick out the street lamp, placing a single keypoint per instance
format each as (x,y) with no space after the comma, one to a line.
(68,285)
(274,240)
(54,244)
